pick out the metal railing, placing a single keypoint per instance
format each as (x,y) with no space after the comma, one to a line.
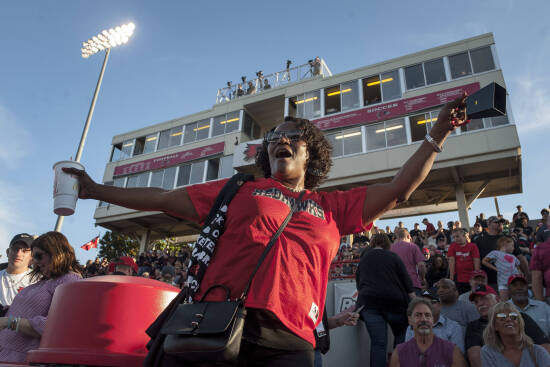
(274,80)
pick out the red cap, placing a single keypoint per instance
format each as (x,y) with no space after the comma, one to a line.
(481,290)
(477,273)
(514,277)
(123,260)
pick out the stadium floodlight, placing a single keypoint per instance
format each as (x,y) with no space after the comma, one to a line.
(105,40)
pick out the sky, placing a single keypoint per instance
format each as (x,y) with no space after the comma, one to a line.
(182,52)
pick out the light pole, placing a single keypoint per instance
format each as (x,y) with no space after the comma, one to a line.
(105,40)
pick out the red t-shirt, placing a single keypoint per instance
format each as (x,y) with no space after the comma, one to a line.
(292,280)
(464,260)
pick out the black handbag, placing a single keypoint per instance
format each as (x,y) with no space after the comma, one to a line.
(212,331)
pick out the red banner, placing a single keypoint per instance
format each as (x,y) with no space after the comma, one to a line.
(169,160)
(395,109)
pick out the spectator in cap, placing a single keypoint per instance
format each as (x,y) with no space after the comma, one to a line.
(463,260)
(451,307)
(442,327)
(17,275)
(54,263)
(506,342)
(426,348)
(478,277)
(124,265)
(538,310)
(484,297)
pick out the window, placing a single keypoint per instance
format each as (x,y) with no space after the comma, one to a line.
(482,59)
(350,95)
(376,139)
(145,144)
(139,180)
(307,106)
(226,166)
(117,151)
(212,169)
(395,133)
(184,175)
(332,100)
(170,138)
(119,182)
(386,134)
(435,71)
(226,123)
(122,150)
(346,142)
(196,131)
(197,172)
(460,65)
(390,86)
(418,124)
(475,124)
(371,90)
(414,75)
(427,73)
(250,127)
(498,121)
(341,97)
(163,178)
(383,87)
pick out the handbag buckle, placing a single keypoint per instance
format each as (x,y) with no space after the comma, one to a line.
(199,315)
(195,324)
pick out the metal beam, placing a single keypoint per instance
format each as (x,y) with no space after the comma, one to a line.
(479,191)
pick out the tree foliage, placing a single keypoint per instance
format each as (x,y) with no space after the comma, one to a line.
(114,245)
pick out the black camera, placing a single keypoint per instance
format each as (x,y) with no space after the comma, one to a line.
(489,101)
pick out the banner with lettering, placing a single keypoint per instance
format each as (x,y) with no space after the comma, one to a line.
(169,160)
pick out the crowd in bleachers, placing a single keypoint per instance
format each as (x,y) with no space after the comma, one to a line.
(463,274)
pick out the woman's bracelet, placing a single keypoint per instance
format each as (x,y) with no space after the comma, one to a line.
(431,140)
(17,326)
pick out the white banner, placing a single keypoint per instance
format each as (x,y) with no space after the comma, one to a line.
(345,296)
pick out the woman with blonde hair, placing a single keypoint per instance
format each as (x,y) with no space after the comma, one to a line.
(506,343)
(54,263)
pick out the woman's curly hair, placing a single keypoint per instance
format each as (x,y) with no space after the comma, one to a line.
(319,150)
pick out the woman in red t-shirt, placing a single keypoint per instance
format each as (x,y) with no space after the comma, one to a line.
(287,296)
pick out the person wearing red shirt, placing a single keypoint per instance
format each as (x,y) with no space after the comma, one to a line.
(430,229)
(287,296)
(463,257)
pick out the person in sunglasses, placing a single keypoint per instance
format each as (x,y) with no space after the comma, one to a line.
(54,263)
(506,343)
(287,297)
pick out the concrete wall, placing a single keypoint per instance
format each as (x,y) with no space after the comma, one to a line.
(349,346)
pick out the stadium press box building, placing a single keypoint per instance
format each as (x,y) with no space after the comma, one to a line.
(375,117)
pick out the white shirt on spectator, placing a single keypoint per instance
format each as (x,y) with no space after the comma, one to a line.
(11,284)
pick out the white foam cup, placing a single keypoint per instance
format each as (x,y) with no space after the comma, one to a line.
(65,188)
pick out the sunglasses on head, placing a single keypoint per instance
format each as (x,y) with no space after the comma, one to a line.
(275,136)
(513,316)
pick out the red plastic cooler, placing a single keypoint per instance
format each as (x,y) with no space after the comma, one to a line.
(101,321)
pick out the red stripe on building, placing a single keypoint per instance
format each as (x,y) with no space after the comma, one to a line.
(169,160)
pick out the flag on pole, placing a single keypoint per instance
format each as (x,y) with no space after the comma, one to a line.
(92,244)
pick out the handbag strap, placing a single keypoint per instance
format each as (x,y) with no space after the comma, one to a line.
(270,244)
